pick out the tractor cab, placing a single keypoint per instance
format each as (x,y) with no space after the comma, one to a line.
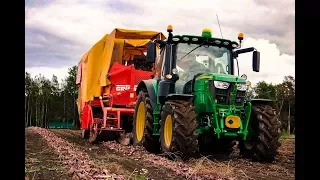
(186,58)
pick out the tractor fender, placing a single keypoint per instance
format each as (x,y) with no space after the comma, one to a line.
(260,101)
(185,97)
(149,85)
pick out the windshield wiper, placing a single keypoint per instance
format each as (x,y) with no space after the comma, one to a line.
(192,50)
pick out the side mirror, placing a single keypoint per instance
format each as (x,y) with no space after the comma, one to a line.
(256,61)
(241,51)
(151,52)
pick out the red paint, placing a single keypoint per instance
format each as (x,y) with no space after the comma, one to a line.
(124,80)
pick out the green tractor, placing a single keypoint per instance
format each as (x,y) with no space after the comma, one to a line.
(196,103)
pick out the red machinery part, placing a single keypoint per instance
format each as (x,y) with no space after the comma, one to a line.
(124,81)
(86,116)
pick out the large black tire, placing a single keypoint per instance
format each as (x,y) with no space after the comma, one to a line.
(148,141)
(265,128)
(211,145)
(184,141)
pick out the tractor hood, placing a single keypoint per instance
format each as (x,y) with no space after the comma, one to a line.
(222,77)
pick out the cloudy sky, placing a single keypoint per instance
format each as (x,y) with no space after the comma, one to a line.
(59,32)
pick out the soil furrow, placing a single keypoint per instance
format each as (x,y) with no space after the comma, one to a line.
(41,161)
(126,159)
(117,163)
(78,163)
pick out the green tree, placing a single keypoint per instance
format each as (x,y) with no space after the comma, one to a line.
(286,100)
(70,93)
(265,90)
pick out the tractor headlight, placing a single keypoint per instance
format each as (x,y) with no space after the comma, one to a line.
(168,76)
(174,71)
(242,87)
(221,84)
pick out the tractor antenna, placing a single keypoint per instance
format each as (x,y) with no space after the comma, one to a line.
(219,25)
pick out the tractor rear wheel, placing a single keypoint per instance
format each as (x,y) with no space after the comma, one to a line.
(178,128)
(265,126)
(212,145)
(143,124)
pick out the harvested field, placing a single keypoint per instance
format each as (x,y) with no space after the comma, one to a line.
(73,157)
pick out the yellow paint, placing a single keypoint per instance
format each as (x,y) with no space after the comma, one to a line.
(206,30)
(140,121)
(235,122)
(168,131)
(203,77)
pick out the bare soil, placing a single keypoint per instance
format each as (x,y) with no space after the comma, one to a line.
(114,161)
(135,163)
(41,161)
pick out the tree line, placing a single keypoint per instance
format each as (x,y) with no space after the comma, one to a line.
(53,101)
(283,94)
(50,100)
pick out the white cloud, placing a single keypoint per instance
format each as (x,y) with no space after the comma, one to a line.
(86,22)
(48,72)
(273,65)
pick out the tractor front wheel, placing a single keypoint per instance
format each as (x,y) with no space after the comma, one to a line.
(178,128)
(143,124)
(265,128)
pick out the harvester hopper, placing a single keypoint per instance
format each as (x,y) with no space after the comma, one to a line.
(108,75)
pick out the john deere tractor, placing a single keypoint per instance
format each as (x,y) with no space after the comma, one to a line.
(196,102)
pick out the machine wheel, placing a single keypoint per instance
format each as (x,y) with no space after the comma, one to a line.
(143,124)
(211,145)
(178,128)
(85,133)
(265,127)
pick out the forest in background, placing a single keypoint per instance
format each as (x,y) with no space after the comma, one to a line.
(48,100)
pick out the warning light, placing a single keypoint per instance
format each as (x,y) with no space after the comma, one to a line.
(206,32)
(169,28)
(240,36)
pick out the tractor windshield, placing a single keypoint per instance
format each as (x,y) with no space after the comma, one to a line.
(202,59)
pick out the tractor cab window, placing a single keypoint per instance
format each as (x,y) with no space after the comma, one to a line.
(204,59)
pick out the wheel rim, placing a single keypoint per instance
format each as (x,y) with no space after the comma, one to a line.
(140,121)
(168,131)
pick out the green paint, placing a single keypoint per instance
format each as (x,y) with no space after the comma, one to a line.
(157,110)
(60,125)
(206,104)
(222,77)
(248,110)
(206,34)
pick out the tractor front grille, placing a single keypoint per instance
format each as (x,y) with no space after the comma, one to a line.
(223,96)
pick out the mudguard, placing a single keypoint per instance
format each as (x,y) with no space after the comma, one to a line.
(148,84)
